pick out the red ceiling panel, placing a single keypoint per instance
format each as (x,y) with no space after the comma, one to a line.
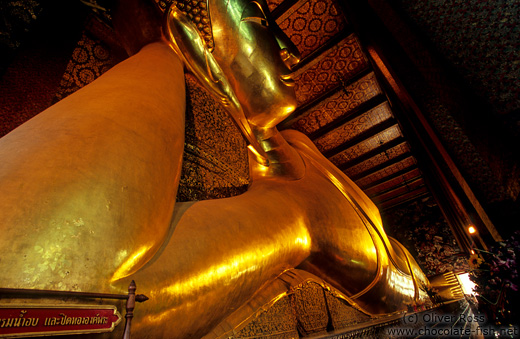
(400,190)
(365,181)
(378,159)
(421,191)
(354,127)
(338,104)
(345,59)
(387,185)
(310,24)
(366,146)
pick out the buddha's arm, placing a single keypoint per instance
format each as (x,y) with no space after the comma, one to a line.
(90,183)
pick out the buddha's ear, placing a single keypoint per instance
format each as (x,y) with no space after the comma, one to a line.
(184,38)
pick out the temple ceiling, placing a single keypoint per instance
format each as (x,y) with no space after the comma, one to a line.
(342,105)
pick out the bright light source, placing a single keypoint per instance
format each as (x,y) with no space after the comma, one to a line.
(472,230)
(466,284)
(472,252)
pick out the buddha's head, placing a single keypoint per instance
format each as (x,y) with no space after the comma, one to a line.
(238,51)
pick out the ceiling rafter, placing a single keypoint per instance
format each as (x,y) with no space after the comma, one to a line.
(304,109)
(283,8)
(407,193)
(405,198)
(333,42)
(392,182)
(368,133)
(370,154)
(405,183)
(349,116)
(390,177)
(389,162)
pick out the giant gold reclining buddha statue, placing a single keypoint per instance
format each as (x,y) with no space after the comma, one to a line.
(88,187)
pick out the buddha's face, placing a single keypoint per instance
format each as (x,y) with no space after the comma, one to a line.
(256,57)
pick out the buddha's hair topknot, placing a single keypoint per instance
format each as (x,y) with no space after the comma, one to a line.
(197,12)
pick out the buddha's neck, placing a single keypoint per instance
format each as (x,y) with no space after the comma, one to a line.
(284,161)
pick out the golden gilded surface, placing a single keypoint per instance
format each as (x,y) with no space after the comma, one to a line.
(88,186)
(88,189)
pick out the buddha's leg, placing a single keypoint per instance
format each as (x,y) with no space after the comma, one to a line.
(223,251)
(88,186)
(220,253)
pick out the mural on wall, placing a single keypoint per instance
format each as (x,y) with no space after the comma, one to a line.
(421,227)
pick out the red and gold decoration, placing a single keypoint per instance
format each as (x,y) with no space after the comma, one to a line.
(43,320)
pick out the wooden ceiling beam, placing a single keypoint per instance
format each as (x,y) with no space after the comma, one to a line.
(382,166)
(406,198)
(402,196)
(304,109)
(393,182)
(390,177)
(282,8)
(368,133)
(349,116)
(331,43)
(370,154)
(404,183)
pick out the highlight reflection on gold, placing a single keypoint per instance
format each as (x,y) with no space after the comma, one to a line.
(129,265)
(233,268)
